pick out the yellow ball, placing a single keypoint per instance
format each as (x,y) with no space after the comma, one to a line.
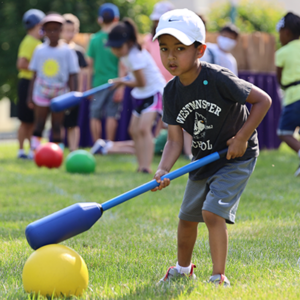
(55,269)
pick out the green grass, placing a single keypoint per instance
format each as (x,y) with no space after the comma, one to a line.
(130,248)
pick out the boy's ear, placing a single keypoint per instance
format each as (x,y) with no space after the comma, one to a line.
(100,20)
(200,50)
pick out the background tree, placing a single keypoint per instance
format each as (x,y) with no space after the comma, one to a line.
(252,15)
(12,31)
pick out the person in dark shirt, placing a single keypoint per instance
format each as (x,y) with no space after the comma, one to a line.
(207,101)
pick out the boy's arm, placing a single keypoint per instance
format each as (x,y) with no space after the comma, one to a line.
(30,92)
(22,63)
(172,151)
(119,93)
(90,63)
(73,82)
(261,103)
(279,74)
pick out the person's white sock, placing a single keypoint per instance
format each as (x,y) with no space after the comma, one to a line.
(183,270)
(21,151)
(299,153)
(35,141)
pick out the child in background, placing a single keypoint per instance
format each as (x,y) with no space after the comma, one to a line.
(287,60)
(55,68)
(208,101)
(220,53)
(147,83)
(70,29)
(152,46)
(104,65)
(31,21)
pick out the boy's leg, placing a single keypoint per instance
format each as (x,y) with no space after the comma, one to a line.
(218,240)
(289,121)
(111,128)
(133,131)
(186,238)
(291,142)
(73,137)
(57,122)
(97,105)
(144,140)
(96,129)
(40,117)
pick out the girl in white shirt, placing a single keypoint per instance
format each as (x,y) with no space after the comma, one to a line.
(147,83)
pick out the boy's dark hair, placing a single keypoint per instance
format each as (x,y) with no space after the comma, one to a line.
(107,17)
(292,23)
(230,28)
(132,32)
(196,44)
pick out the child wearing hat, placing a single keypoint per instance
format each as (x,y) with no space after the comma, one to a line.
(31,22)
(104,65)
(55,68)
(147,83)
(207,101)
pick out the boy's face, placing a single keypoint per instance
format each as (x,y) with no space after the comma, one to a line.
(68,32)
(122,51)
(284,36)
(178,58)
(52,31)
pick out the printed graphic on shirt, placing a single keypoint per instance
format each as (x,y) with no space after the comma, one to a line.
(200,124)
(50,67)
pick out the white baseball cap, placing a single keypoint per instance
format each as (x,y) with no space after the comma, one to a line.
(160,8)
(183,24)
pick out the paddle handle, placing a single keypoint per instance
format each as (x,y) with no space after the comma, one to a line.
(172,175)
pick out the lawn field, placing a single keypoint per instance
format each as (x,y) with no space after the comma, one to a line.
(130,248)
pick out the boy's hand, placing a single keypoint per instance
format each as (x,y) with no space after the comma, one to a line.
(119,94)
(117,82)
(236,147)
(162,183)
(30,104)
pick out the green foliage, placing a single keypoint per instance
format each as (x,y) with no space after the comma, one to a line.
(12,31)
(252,15)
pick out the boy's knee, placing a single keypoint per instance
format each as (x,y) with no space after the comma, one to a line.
(210,218)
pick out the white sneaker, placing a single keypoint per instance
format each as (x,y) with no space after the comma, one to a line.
(99,147)
(173,274)
(219,279)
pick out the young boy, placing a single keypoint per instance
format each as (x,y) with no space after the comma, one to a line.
(287,60)
(208,102)
(220,53)
(104,65)
(70,29)
(31,21)
(55,68)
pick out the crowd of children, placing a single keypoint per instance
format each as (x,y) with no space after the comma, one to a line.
(174,74)
(58,65)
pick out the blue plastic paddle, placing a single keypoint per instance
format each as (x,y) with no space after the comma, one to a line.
(80,217)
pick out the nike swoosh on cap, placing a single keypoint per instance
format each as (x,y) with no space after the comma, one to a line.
(174,20)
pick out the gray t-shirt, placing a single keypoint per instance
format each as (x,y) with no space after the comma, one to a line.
(54,64)
(211,109)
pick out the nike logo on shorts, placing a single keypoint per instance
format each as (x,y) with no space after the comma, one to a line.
(223,203)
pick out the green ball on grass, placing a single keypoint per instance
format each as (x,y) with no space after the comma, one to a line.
(80,161)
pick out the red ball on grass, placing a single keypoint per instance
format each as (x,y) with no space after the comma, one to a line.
(49,155)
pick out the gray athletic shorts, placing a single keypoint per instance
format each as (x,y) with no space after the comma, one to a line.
(219,193)
(102,105)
